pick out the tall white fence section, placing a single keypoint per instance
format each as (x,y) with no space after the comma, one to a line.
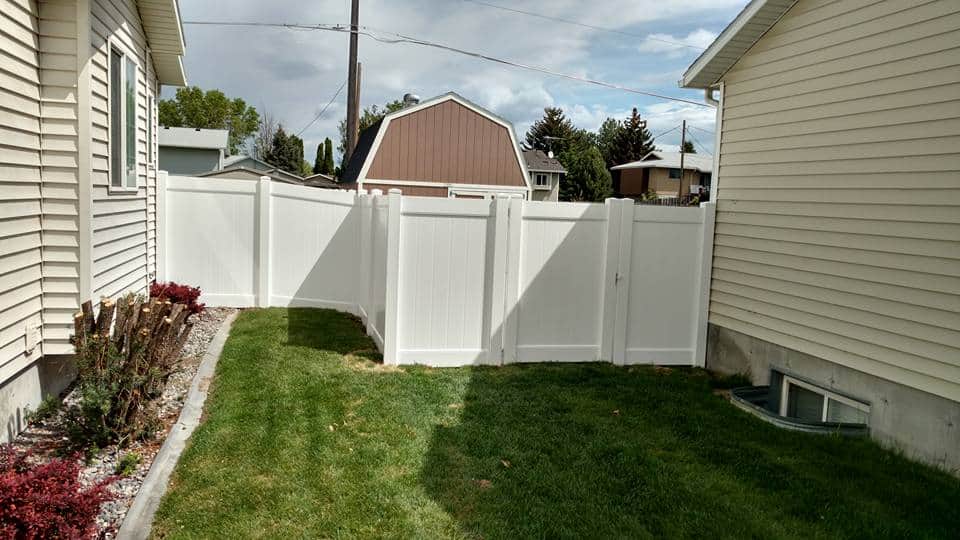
(449,282)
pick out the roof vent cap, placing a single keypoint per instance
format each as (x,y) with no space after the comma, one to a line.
(410,100)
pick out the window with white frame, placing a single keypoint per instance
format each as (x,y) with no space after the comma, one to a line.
(123,121)
(541,180)
(805,401)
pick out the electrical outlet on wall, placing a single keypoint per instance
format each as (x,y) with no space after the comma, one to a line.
(33,337)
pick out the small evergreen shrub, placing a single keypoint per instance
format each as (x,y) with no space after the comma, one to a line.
(46,500)
(178,294)
(127,465)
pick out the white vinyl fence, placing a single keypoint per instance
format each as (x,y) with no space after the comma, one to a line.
(449,282)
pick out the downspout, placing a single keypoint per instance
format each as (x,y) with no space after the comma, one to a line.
(708,97)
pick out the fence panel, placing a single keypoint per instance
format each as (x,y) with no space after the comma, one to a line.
(443,281)
(314,256)
(664,289)
(452,281)
(561,275)
(211,238)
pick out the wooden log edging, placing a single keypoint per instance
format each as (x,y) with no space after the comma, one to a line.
(139,519)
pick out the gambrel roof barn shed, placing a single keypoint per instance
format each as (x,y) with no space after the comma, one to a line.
(837,180)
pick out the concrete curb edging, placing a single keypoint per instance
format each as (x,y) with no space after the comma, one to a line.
(139,519)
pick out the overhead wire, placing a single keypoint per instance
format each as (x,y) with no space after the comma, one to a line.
(584,25)
(325,107)
(401,38)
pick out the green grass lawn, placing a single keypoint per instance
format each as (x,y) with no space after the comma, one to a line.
(306,436)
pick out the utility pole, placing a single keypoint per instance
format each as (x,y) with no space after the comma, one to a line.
(353,87)
(683,143)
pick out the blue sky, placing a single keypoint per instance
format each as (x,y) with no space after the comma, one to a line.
(292,74)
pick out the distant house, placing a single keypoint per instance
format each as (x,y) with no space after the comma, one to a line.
(321,180)
(659,172)
(247,162)
(836,268)
(244,173)
(444,147)
(545,175)
(191,151)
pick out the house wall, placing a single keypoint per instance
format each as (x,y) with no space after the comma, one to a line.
(838,223)
(631,182)
(21,269)
(190,160)
(449,143)
(123,222)
(552,194)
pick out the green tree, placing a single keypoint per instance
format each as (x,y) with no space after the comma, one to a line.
(192,107)
(327,156)
(587,177)
(606,139)
(371,115)
(632,142)
(688,147)
(552,132)
(286,152)
(318,161)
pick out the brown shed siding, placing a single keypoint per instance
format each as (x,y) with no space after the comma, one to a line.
(417,191)
(658,180)
(447,143)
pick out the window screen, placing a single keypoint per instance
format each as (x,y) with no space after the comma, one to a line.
(130,91)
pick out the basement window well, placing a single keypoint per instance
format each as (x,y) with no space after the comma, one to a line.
(794,403)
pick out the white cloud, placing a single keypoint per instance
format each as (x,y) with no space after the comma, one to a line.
(675,46)
(293,74)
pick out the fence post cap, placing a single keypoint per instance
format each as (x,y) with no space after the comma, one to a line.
(394,191)
(376,192)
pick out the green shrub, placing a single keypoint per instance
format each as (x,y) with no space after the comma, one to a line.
(127,465)
(47,409)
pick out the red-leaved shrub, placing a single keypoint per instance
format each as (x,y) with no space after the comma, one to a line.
(178,294)
(46,500)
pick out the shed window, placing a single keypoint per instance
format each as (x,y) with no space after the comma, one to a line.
(674,174)
(123,121)
(541,180)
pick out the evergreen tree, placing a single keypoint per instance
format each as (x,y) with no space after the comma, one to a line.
(318,162)
(327,156)
(606,139)
(552,132)
(688,147)
(587,177)
(632,142)
(286,152)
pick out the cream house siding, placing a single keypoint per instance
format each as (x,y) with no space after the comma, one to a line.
(21,269)
(58,100)
(838,222)
(121,245)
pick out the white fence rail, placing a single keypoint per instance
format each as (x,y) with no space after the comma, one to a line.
(448,282)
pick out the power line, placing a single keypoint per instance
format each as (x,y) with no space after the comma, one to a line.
(657,136)
(707,131)
(697,142)
(400,38)
(584,25)
(325,107)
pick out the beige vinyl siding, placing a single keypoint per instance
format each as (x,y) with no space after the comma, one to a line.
(838,223)
(123,251)
(21,270)
(58,96)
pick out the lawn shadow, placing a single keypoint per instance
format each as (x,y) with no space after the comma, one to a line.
(335,334)
(601,451)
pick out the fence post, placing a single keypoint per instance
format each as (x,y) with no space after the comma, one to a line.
(622,280)
(391,302)
(608,292)
(161,226)
(363,244)
(498,278)
(263,242)
(709,210)
(512,276)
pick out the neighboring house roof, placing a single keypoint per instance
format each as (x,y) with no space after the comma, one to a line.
(539,161)
(670,160)
(321,181)
(277,175)
(230,161)
(319,177)
(164,30)
(370,138)
(364,143)
(735,40)
(181,137)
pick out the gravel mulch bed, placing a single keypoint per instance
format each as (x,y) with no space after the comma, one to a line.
(46,439)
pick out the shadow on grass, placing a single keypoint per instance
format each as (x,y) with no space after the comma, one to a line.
(600,451)
(337,334)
